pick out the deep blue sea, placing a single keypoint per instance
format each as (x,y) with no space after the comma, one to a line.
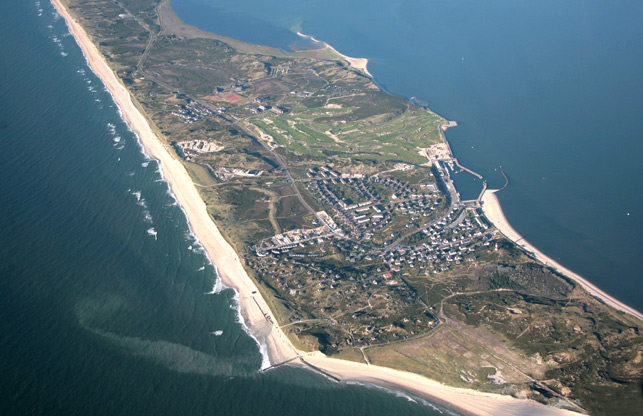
(108,304)
(549,90)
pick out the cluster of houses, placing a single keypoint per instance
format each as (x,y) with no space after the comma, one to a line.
(337,88)
(192,112)
(446,246)
(188,147)
(373,213)
(303,94)
(354,216)
(227,173)
(262,108)
(300,237)
(448,241)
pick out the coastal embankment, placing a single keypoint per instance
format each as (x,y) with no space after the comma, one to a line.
(255,310)
(493,211)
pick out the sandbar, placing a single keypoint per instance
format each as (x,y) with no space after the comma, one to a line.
(357,63)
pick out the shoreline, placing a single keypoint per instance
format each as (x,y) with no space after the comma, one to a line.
(494,211)
(357,63)
(494,214)
(361,64)
(221,254)
(465,401)
(253,308)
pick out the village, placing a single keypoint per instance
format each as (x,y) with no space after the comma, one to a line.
(382,215)
(375,232)
(192,111)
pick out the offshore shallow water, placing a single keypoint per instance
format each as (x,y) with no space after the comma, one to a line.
(107,301)
(549,90)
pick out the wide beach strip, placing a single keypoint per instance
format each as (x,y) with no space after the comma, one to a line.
(219,251)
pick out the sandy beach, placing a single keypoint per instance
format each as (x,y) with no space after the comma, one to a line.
(493,212)
(220,252)
(254,309)
(463,400)
(357,63)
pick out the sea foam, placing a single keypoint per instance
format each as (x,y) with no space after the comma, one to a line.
(265,360)
(218,284)
(263,348)
(406,396)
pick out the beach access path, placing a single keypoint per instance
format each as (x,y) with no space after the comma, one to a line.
(255,311)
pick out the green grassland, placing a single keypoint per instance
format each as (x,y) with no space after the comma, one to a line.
(320,133)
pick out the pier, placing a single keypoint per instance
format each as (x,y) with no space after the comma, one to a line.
(280,364)
(319,370)
(484,188)
(265,315)
(506,180)
(477,175)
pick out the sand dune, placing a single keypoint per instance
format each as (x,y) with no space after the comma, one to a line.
(493,212)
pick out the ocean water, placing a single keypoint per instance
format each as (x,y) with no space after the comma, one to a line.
(550,91)
(109,305)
